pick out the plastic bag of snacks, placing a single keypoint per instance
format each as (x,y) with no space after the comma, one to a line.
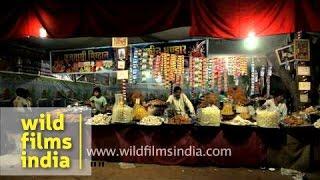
(267,118)
(120,112)
(210,116)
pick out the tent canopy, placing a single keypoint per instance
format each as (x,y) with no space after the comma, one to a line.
(222,19)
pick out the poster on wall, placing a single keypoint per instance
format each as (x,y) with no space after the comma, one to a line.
(153,62)
(89,60)
(285,54)
(303,71)
(122,74)
(302,49)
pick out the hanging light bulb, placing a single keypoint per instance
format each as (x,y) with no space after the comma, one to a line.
(251,42)
(43,32)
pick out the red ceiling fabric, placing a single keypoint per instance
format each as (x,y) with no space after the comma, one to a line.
(308,15)
(236,18)
(222,19)
(66,19)
(60,20)
(18,20)
(134,18)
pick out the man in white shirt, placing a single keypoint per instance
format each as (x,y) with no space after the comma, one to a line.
(277,104)
(179,100)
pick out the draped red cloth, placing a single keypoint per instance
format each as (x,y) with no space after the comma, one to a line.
(223,18)
(236,18)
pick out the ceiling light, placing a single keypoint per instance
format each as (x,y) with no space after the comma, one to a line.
(43,32)
(251,42)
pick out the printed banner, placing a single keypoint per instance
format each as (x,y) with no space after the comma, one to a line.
(88,60)
(150,63)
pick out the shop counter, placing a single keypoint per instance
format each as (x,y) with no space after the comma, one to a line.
(295,148)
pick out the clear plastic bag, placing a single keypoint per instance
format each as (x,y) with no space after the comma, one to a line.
(268,118)
(209,116)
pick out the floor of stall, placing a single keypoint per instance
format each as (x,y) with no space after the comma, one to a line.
(112,171)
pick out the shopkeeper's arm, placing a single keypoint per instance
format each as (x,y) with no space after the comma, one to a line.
(189,104)
(104,104)
(169,100)
(91,101)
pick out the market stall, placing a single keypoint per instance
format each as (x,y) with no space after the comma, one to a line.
(181,94)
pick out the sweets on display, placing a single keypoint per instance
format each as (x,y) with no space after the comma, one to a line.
(225,80)
(240,121)
(294,121)
(180,69)
(317,124)
(172,66)
(267,118)
(156,69)
(209,116)
(139,112)
(179,119)
(191,74)
(208,100)
(100,119)
(227,109)
(151,121)
(238,95)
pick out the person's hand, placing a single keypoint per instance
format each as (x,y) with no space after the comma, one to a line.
(193,115)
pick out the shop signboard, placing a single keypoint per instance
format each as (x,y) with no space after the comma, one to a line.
(145,58)
(119,42)
(87,60)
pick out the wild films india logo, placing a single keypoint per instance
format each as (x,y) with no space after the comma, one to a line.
(45,141)
(34,138)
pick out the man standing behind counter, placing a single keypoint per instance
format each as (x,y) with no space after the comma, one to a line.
(179,100)
(98,101)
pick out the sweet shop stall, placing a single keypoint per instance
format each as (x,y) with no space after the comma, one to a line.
(211,93)
(262,102)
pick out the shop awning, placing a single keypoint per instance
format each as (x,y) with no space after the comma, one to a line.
(222,19)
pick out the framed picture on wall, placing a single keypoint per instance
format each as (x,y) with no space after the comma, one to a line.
(302,49)
(285,54)
(122,53)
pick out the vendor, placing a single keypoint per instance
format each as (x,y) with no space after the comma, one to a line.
(22,100)
(98,101)
(277,103)
(179,100)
